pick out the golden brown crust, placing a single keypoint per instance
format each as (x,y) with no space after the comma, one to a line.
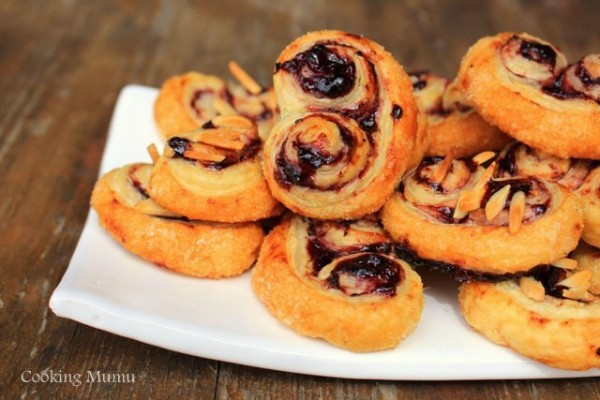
(185,102)
(173,114)
(464,134)
(507,92)
(557,332)
(339,153)
(589,193)
(195,248)
(198,178)
(284,282)
(424,217)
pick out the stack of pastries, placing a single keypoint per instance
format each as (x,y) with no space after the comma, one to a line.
(349,175)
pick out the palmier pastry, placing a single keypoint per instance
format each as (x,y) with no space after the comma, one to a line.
(518,159)
(196,248)
(552,314)
(339,281)
(348,126)
(524,86)
(450,211)
(589,193)
(453,125)
(187,101)
(214,173)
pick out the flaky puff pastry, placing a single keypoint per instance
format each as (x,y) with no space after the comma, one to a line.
(589,193)
(452,124)
(525,86)
(214,174)
(518,159)
(549,315)
(348,128)
(197,248)
(338,281)
(581,176)
(185,102)
(450,211)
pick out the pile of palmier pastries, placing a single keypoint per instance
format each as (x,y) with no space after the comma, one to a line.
(349,176)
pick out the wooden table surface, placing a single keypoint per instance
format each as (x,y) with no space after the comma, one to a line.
(62,65)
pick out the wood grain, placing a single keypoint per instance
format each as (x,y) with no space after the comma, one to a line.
(62,64)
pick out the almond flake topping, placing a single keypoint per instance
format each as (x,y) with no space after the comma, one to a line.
(532,288)
(483,157)
(246,80)
(443,168)
(496,203)
(516,212)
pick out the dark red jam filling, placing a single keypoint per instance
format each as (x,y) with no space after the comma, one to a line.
(420,79)
(310,158)
(525,185)
(549,276)
(397,112)
(322,253)
(225,94)
(373,272)
(437,186)
(538,52)
(179,146)
(562,89)
(321,71)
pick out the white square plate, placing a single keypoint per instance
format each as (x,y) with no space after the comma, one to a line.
(109,289)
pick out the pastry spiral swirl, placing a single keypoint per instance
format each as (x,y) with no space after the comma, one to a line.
(518,159)
(551,314)
(452,124)
(186,102)
(525,86)
(214,174)
(347,130)
(197,248)
(578,175)
(339,281)
(494,226)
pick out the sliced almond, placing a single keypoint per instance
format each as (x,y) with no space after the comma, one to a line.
(223,107)
(580,280)
(149,207)
(486,176)
(565,263)
(469,200)
(443,168)
(214,138)
(577,294)
(483,157)
(532,288)
(153,152)
(496,203)
(246,80)
(232,121)
(203,154)
(516,212)
(325,272)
